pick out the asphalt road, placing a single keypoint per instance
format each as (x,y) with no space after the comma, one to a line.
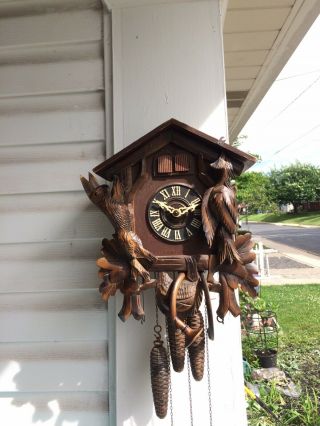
(307,239)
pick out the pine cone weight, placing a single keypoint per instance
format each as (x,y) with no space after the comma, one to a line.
(160,378)
(177,341)
(197,348)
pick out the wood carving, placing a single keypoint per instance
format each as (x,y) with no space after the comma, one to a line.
(121,264)
(230,256)
(173,209)
(160,377)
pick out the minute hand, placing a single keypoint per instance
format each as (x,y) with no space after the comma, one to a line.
(192,207)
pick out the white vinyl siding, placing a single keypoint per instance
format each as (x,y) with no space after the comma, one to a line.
(53,324)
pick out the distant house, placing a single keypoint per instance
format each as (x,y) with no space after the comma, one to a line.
(311,206)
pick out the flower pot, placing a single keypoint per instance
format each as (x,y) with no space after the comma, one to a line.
(267,358)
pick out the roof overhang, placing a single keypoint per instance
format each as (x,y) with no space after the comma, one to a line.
(196,141)
(259,38)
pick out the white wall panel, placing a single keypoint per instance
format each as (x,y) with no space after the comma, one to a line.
(64,126)
(53,27)
(38,275)
(52,250)
(43,366)
(55,176)
(62,76)
(52,316)
(52,409)
(166,61)
(72,214)
(53,323)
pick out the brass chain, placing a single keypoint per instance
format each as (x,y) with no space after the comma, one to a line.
(208,367)
(190,390)
(169,366)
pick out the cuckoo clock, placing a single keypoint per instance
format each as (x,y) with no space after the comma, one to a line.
(171,201)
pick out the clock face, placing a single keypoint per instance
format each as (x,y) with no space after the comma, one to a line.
(174,213)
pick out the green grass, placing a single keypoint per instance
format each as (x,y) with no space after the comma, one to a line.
(309,218)
(297,308)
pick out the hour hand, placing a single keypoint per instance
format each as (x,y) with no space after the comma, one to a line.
(164,206)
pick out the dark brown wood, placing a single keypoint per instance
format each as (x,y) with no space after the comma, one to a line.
(162,136)
(173,209)
(160,378)
(177,342)
(197,348)
(164,164)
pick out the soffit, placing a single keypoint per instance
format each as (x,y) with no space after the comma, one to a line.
(259,38)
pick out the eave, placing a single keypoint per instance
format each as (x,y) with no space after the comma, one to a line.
(259,38)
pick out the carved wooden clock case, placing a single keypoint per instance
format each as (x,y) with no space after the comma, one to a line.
(173,208)
(164,165)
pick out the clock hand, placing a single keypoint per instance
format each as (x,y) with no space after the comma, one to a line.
(191,207)
(164,206)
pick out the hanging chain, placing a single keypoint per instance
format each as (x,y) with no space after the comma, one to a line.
(208,367)
(169,366)
(157,329)
(190,392)
(143,319)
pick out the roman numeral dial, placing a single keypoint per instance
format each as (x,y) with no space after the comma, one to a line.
(174,213)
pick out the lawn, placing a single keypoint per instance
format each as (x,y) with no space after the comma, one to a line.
(308,218)
(297,309)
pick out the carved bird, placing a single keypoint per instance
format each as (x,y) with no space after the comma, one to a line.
(111,201)
(219,214)
(231,256)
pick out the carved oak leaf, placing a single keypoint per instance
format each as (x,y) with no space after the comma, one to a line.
(239,273)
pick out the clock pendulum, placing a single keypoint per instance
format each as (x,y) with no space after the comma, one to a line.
(174,216)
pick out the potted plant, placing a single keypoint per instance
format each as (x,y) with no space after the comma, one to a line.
(261,329)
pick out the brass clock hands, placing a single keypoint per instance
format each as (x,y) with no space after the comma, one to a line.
(177,212)
(164,206)
(192,207)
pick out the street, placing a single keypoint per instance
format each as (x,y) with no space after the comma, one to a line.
(307,239)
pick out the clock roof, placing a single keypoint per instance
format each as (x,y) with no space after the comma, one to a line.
(178,133)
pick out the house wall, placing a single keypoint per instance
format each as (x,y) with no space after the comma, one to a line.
(53,325)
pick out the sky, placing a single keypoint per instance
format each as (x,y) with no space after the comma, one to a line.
(285,127)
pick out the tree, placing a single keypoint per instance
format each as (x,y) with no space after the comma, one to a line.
(296,183)
(239,141)
(254,190)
